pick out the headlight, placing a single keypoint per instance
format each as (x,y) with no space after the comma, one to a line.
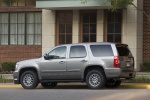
(16,68)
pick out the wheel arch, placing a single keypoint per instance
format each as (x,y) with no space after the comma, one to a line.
(30,68)
(93,67)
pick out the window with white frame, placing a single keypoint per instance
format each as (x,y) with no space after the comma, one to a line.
(4,28)
(20,28)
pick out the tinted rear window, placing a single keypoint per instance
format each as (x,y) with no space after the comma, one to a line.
(124,51)
(101,50)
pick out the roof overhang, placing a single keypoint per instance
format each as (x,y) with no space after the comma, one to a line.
(72,4)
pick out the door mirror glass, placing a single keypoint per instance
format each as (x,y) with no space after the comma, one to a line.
(46,57)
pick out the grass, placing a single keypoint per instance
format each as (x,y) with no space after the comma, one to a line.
(141,79)
(3,79)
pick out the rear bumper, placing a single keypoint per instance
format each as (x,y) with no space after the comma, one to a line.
(128,75)
(16,77)
(118,73)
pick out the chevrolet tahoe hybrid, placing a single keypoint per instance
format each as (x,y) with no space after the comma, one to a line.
(97,64)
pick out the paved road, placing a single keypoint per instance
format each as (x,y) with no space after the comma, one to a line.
(76,92)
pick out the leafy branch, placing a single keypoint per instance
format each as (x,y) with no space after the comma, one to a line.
(9,2)
(117,4)
(148,16)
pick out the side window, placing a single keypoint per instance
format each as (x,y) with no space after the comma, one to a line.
(58,53)
(101,50)
(77,52)
(124,51)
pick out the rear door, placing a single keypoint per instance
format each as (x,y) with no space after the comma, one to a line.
(126,58)
(77,61)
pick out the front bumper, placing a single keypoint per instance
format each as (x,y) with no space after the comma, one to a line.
(16,77)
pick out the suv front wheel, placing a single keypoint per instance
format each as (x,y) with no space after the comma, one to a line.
(29,80)
(95,79)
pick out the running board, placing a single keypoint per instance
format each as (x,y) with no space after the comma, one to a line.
(61,81)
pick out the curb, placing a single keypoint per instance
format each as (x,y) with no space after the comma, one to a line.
(80,86)
(10,86)
(135,86)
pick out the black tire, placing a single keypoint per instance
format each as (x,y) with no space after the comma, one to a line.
(49,84)
(95,79)
(29,80)
(113,83)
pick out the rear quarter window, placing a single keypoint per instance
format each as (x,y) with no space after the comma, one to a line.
(124,51)
(101,50)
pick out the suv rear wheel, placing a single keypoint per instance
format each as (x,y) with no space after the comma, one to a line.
(95,79)
(29,80)
(49,84)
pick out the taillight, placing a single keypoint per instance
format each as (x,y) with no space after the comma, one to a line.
(116,62)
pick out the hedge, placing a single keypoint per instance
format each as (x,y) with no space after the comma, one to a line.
(8,66)
(145,67)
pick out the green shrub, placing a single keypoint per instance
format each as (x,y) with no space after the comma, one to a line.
(145,67)
(8,66)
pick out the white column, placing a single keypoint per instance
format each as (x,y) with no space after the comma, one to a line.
(48,30)
(133,31)
(75,32)
(100,26)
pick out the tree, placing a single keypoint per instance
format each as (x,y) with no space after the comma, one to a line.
(10,2)
(117,4)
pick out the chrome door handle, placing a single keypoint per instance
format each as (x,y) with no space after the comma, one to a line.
(83,60)
(61,62)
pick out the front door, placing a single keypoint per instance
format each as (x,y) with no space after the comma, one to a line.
(55,66)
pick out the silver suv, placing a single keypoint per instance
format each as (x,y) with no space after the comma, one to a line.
(97,64)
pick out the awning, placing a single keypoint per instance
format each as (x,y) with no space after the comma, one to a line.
(72,4)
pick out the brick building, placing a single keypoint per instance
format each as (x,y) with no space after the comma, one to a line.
(146,31)
(20,31)
(72,22)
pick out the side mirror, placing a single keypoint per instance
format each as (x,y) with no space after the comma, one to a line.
(46,57)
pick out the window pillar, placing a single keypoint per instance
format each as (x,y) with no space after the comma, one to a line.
(100,25)
(75,33)
(48,30)
(133,31)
